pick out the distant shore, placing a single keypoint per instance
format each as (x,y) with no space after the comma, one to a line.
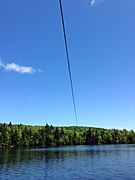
(16,136)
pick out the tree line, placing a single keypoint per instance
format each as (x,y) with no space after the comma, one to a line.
(50,136)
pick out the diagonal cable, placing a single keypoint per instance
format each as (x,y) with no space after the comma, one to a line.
(68,60)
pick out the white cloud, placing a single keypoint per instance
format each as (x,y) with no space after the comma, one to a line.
(17,68)
(93,2)
(39,70)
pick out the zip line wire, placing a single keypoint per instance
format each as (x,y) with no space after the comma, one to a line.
(68,60)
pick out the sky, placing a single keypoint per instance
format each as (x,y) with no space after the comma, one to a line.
(34,81)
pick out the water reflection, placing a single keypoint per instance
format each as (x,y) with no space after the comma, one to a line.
(30,155)
(18,156)
(76,162)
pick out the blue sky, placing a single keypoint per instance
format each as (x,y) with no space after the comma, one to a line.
(34,82)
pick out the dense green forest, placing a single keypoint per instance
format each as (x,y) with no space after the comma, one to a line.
(48,136)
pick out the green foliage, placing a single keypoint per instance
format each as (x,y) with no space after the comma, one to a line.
(48,136)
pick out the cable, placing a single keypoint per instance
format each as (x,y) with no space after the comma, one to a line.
(68,61)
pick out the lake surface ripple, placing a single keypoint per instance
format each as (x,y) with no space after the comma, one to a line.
(103,162)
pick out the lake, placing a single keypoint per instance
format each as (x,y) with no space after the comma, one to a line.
(70,162)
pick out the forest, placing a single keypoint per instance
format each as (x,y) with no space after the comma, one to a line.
(16,136)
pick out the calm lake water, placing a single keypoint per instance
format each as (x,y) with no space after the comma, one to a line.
(72,162)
